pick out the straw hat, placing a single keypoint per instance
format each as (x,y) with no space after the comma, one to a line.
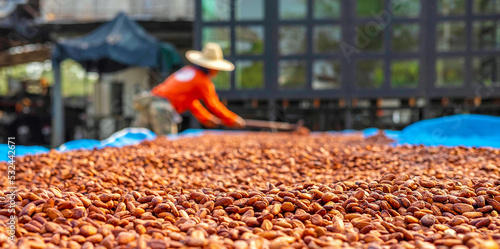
(210,57)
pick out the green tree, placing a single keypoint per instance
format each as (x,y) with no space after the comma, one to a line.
(250,76)
(222,81)
(404,73)
(368,7)
(73,76)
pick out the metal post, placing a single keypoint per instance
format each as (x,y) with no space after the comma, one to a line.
(426,113)
(193,123)
(271,110)
(348,114)
(57,108)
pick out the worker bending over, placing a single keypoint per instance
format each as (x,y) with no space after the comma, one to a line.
(184,90)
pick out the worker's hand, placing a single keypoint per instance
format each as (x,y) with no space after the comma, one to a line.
(212,122)
(239,123)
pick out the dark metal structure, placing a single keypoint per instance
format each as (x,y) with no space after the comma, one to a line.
(454,46)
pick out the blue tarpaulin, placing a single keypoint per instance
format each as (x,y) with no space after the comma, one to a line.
(128,136)
(118,44)
(458,130)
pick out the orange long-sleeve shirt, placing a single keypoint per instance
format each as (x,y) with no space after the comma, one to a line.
(186,87)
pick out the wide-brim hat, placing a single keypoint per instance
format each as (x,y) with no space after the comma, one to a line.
(211,57)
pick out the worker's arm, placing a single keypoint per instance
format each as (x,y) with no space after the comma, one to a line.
(202,115)
(211,101)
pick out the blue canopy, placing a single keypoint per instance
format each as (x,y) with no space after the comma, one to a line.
(118,44)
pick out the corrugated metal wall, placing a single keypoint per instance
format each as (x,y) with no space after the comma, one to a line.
(92,10)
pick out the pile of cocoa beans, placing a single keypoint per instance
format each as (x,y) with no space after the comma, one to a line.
(256,190)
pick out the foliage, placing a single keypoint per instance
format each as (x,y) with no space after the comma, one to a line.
(405,37)
(293,9)
(216,10)
(219,35)
(370,73)
(486,6)
(222,80)
(326,9)
(257,47)
(451,7)
(405,73)
(250,76)
(449,72)
(255,40)
(293,75)
(368,7)
(369,38)
(405,8)
(72,76)
(327,38)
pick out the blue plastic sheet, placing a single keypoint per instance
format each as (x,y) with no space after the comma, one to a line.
(85,144)
(458,130)
(20,151)
(469,130)
(127,136)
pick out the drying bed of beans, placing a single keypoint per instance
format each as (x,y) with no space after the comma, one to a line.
(257,190)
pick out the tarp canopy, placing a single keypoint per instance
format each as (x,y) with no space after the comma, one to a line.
(118,44)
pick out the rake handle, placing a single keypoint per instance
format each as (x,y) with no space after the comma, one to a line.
(272,125)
